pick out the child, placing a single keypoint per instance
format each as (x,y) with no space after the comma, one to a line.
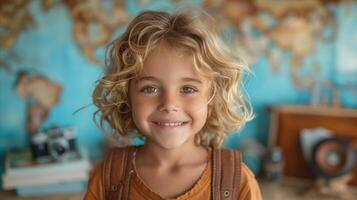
(173,82)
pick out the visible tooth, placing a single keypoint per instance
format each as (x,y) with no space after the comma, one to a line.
(169,123)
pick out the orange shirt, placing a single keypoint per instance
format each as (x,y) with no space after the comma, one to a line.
(249,189)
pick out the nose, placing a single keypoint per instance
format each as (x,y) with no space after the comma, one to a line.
(169,103)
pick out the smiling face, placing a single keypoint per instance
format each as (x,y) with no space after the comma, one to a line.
(169,99)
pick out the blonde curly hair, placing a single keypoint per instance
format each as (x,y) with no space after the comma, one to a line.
(125,57)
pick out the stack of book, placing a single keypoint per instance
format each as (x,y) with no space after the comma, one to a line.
(32,179)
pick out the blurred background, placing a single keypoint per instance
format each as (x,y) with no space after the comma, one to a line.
(302,54)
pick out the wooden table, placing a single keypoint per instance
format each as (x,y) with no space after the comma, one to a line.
(288,188)
(294,189)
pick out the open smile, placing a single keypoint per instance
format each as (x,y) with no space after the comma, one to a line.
(170,124)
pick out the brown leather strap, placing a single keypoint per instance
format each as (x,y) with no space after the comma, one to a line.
(226,173)
(116,173)
(128,174)
(216,174)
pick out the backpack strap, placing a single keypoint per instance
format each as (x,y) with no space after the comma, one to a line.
(226,174)
(116,173)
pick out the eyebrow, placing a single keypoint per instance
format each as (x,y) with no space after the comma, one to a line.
(184,79)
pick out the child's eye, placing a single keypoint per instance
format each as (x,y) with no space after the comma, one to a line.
(188,90)
(149,90)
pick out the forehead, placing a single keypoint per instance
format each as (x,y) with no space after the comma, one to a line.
(170,64)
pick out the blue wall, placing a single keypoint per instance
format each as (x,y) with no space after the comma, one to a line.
(50,50)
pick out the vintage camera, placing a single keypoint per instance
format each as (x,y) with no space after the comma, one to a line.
(55,144)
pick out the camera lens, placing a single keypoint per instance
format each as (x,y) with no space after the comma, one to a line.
(58,148)
(61,143)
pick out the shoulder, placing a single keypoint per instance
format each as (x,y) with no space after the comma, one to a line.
(117,157)
(249,188)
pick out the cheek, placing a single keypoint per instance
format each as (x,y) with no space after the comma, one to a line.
(142,109)
(199,113)
(196,103)
(139,114)
(199,119)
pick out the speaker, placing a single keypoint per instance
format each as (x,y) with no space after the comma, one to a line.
(333,157)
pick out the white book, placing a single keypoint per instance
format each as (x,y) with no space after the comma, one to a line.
(21,164)
(52,174)
(12,183)
(76,187)
(21,170)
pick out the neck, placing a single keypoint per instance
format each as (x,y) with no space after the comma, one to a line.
(154,155)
